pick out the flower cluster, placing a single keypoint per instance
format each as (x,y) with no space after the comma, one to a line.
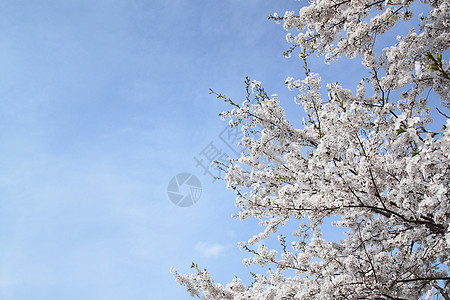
(367,159)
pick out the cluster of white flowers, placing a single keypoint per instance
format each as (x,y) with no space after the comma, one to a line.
(367,159)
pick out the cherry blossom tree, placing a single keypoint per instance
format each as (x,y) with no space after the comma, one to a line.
(367,159)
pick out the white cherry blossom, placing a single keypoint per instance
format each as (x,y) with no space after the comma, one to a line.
(368,159)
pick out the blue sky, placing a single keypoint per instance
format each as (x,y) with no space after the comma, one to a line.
(102,103)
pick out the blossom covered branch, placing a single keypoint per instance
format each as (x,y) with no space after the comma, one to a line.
(368,159)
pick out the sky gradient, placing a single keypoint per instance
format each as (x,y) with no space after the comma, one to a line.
(102,103)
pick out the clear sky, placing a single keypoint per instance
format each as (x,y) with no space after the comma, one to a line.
(101,104)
